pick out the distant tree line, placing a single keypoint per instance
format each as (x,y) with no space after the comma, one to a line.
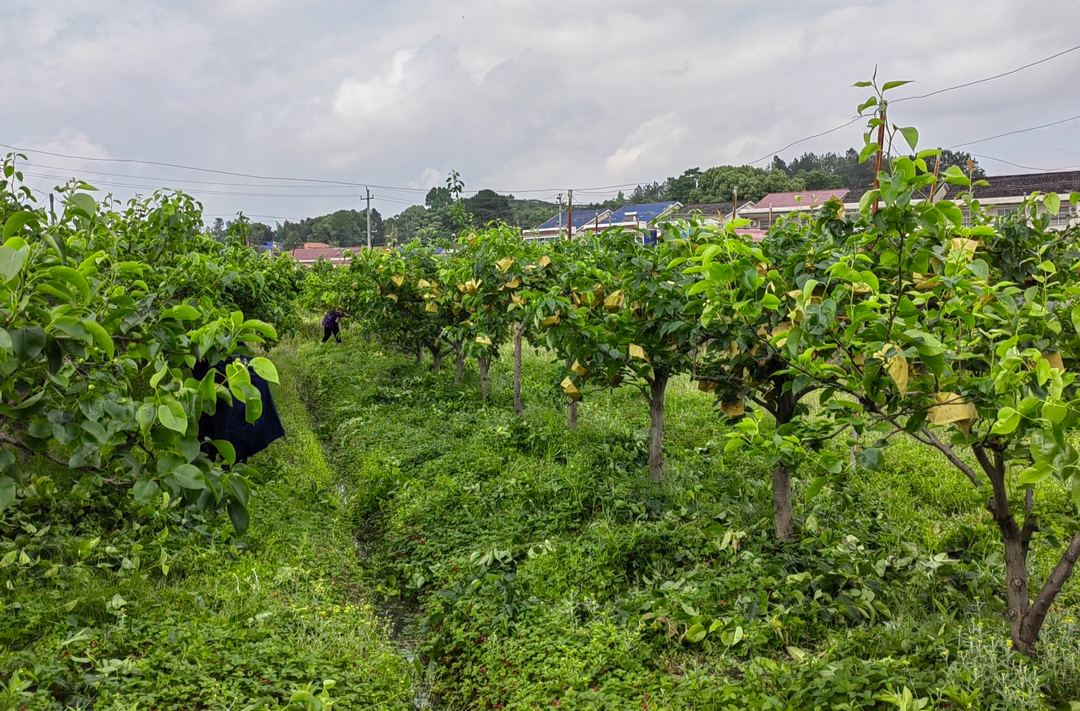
(432,220)
(811,171)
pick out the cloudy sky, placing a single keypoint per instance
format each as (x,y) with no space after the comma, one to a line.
(519,96)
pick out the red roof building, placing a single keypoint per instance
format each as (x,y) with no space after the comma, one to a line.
(335,255)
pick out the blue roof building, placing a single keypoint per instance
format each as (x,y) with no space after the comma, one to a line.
(558,226)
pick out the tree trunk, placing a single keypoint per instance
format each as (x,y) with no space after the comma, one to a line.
(436,360)
(782,407)
(571,407)
(783,518)
(519,332)
(656,423)
(419,352)
(1026,617)
(459,363)
(484,362)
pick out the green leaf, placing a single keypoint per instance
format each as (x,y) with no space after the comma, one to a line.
(189,477)
(172,415)
(265,369)
(145,417)
(226,449)
(1052,203)
(696,633)
(7,492)
(183,312)
(868,199)
(815,487)
(27,342)
(1036,474)
(238,513)
(980,269)
(5,341)
(871,458)
(1008,419)
(96,431)
(770,302)
(145,490)
(894,84)
(101,337)
(16,222)
(1055,411)
(72,277)
(11,263)
(911,135)
(85,203)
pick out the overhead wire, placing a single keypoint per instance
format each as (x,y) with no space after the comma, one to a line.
(1017,131)
(1026,167)
(923,96)
(986,79)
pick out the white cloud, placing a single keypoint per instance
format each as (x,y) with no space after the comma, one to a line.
(514,94)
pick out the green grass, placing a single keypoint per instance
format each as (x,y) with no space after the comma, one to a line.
(123,607)
(549,571)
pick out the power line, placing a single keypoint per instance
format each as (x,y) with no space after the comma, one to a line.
(210,170)
(1026,167)
(986,79)
(924,96)
(1019,130)
(803,140)
(197,191)
(152,179)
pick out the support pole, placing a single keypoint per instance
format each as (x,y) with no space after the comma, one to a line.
(569,214)
(880,149)
(368,194)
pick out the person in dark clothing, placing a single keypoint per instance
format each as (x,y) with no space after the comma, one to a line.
(229,422)
(331,326)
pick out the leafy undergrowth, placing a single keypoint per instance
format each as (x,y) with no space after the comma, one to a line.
(111,605)
(551,572)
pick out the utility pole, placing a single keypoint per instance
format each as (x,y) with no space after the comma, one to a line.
(559,215)
(368,192)
(735,204)
(569,214)
(877,163)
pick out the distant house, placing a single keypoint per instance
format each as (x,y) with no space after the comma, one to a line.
(641,217)
(1005,193)
(270,247)
(335,255)
(1001,197)
(710,213)
(316,245)
(559,226)
(766,211)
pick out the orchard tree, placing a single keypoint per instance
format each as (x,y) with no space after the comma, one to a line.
(386,290)
(619,314)
(747,292)
(924,329)
(99,340)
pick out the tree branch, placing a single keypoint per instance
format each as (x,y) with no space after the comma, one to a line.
(1050,589)
(945,449)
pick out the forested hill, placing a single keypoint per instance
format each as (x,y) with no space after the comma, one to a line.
(348,228)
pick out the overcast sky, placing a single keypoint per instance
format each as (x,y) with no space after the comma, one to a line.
(516,95)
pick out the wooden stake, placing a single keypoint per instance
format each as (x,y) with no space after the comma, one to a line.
(877,166)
